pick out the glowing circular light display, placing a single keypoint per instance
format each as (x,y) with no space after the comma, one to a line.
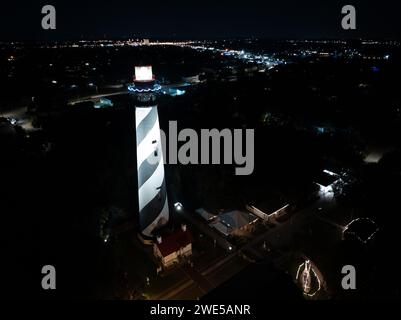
(308,279)
(362,229)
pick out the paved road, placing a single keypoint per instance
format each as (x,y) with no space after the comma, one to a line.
(96,96)
(203,283)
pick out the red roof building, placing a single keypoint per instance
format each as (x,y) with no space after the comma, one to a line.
(174,248)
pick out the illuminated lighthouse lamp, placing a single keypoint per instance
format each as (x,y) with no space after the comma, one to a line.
(144,80)
(144,73)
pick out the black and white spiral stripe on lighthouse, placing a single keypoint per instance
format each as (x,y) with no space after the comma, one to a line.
(152,194)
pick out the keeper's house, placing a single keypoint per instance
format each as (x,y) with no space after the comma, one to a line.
(174,248)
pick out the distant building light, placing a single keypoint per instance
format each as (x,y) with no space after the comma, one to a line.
(103,103)
(175,92)
(54,82)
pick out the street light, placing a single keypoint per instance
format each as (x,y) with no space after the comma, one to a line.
(92,85)
(178,206)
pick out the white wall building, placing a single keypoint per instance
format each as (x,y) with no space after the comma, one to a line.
(174,248)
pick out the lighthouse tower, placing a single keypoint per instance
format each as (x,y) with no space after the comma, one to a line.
(152,195)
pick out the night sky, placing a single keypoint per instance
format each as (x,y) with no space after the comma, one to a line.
(21,20)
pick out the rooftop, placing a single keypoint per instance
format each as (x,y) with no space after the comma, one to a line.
(326,178)
(237,219)
(174,242)
(228,222)
(205,214)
